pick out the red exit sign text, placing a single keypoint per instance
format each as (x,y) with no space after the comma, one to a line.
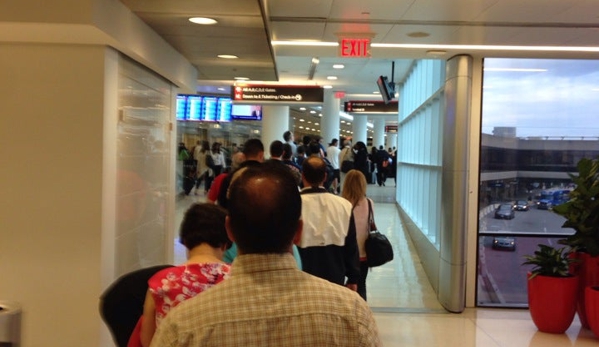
(354,48)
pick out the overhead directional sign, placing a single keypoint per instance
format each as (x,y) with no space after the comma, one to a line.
(370,107)
(391,128)
(277,94)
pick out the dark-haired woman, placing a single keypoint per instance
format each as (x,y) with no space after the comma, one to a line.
(203,233)
(361,158)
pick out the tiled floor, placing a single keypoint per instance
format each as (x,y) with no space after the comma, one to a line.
(406,308)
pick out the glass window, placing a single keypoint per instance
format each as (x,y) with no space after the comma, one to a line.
(536,125)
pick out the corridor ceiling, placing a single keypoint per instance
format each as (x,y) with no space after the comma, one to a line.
(253,30)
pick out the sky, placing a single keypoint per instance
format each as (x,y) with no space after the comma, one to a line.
(541,97)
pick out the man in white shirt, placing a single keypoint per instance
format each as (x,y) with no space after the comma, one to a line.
(333,152)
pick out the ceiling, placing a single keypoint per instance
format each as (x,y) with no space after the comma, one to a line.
(253,30)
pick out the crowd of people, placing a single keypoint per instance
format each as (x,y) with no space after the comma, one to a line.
(276,255)
(206,162)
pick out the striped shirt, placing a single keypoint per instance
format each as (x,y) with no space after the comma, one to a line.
(268,301)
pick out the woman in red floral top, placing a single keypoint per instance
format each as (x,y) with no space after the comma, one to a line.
(203,233)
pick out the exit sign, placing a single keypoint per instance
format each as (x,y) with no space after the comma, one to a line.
(354,48)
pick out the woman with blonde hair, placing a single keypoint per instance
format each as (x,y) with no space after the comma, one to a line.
(354,190)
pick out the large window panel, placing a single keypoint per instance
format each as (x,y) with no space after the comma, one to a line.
(536,125)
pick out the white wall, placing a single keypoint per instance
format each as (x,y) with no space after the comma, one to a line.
(52,107)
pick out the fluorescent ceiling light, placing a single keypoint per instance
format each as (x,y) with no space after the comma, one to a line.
(302,120)
(227,56)
(304,43)
(221,88)
(327,87)
(448,47)
(489,47)
(338,66)
(312,111)
(203,20)
(302,108)
(332,78)
(241,78)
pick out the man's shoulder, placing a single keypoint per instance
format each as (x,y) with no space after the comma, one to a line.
(328,197)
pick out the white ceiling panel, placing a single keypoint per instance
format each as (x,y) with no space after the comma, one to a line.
(444,10)
(437,34)
(294,31)
(580,12)
(299,8)
(532,11)
(386,10)
(377,31)
(550,36)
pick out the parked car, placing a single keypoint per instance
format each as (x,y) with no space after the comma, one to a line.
(505,211)
(507,243)
(521,205)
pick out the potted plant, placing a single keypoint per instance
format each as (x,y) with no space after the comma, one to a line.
(582,215)
(591,300)
(552,289)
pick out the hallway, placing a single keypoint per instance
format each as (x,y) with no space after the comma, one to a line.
(406,308)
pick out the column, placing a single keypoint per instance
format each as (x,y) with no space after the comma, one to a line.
(392,140)
(378,138)
(359,128)
(329,123)
(454,185)
(275,121)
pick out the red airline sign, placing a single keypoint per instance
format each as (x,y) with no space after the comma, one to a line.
(354,48)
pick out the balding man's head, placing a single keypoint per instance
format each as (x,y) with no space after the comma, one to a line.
(264,208)
(314,171)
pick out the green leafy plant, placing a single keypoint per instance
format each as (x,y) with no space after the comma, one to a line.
(549,261)
(582,210)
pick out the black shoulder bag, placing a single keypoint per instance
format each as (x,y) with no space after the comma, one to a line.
(378,247)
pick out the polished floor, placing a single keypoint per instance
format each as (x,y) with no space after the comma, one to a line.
(405,305)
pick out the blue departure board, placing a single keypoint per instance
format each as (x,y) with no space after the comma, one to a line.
(194,107)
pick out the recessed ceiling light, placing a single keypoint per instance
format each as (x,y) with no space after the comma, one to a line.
(338,66)
(332,78)
(320,115)
(327,87)
(342,121)
(312,111)
(316,124)
(203,20)
(418,34)
(302,108)
(241,78)
(227,56)
(301,126)
(302,120)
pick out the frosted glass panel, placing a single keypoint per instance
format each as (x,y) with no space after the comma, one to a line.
(143,165)
(420,142)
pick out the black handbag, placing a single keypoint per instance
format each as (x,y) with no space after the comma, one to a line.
(378,248)
(347,165)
